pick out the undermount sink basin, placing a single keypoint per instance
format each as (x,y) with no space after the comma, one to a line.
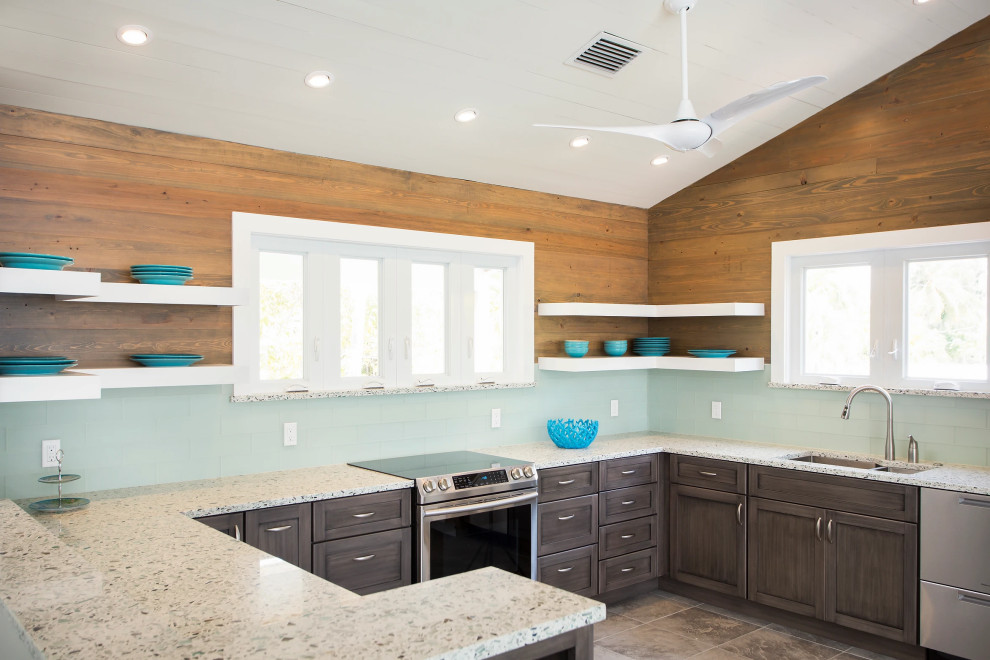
(873,466)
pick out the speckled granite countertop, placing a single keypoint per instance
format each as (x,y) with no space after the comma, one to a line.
(133,575)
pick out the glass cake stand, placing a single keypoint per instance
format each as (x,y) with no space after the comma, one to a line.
(59,504)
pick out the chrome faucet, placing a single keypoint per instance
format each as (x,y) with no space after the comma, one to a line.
(888,447)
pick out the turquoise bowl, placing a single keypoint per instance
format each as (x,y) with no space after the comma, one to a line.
(572,433)
(575,349)
(616,347)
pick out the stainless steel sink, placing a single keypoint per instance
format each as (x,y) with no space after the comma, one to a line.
(872,466)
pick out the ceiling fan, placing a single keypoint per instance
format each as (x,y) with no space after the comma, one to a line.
(687,132)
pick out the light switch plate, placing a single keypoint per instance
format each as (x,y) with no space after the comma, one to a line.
(615,407)
(716,410)
(496,418)
(290,434)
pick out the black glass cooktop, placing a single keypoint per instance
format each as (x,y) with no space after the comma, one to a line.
(432,465)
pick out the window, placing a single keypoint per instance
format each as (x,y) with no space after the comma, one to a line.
(903,309)
(344,307)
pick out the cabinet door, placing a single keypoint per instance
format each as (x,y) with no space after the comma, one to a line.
(231,524)
(283,531)
(708,539)
(366,564)
(871,575)
(787,556)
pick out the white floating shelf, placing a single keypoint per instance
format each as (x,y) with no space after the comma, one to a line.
(207,374)
(67,283)
(163,294)
(651,311)
(58,387)
(649,362)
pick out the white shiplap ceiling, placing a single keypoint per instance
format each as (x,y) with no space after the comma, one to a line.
(233,70)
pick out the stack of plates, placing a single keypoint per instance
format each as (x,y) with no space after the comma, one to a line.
(166,359)
(711,352)
(35,261)
(161,274)
(34,366)
(651,345)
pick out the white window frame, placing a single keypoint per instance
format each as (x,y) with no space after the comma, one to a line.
(881,249)
(327,241)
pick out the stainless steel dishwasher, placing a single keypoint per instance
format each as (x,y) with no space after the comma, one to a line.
(955,573)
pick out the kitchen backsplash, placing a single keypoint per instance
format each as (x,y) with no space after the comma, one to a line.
(134,437)
(949,430)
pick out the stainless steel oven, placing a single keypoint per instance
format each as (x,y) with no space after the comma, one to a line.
(473,510)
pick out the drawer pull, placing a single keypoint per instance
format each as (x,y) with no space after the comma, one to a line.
(626,570)
(629,472)
(566,517)
(969,501)
(365,558)
(627,536)
(281,528)
(739,513)
(364,515)
(828,532)
(973,600)
(818,528)
(237,532)
(628,502)
(564,570)
(709,474)
(566,482)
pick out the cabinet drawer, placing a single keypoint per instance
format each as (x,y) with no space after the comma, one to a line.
(870,498)
(569,481)
(568,524)
(631,471)
(627,569)
(954,620)
(628,503)
(572,570)
(956,539)
(708,473)
(231,524)
(366,564)
(361,514)
(283,531)
(628,536)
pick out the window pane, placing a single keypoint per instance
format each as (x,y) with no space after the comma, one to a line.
(281,314)
(429,318)
(947,319)
(359,317)
(837,320)
(489,313)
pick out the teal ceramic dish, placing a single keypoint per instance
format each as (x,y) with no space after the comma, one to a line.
(161,279)
(166,359)
(160,267)
(34,261)
(616,347)
(711,352)
(34,369)
(575,348)
(572,433)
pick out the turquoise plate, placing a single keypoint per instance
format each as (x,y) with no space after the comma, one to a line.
(162,279)
(35,263)
(34,255)
(168,361)
(161,270)
(33,369)
(34,360)
(711,353)
(158,266)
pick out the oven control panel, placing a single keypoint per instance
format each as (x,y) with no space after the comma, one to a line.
(480,479)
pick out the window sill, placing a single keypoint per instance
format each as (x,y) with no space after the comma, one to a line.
(959,394)
(386,391)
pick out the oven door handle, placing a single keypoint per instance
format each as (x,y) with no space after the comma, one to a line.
(480,506)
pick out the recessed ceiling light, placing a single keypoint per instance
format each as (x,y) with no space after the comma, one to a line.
(659,160)
(134,35)
(466,115)
(579,142)
(319,79)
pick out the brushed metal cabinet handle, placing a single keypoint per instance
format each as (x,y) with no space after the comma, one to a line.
(564,483)
(364,558)
(627,536)
(969,501)
(628,502)
(831,539)
(739,513)
(564,570)
(626,570)
(972,600)
(363,515)
(279,529)
(818,528)
(709,474)
(237,532)
(629,472)
(566,517)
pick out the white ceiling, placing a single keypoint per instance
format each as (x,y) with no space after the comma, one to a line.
(233,70)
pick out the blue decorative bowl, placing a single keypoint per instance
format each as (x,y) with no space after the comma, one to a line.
(575,349)
(616,347)
(572,433)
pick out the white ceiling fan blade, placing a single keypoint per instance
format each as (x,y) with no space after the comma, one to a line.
(729,114)
(679,135)
(711,148)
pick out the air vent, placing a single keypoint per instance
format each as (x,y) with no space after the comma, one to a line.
(606,54)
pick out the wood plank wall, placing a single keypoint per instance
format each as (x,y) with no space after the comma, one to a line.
(911,149)
(111,195)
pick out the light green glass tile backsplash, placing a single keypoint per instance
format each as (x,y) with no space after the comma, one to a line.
(949,430)
(134,437)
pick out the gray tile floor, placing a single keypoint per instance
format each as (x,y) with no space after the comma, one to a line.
(662,626)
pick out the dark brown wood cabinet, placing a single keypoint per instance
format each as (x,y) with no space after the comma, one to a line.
(568,524)
(361,514)
(283,531)
(231,524)
(568,481)
(367,563)
(708,538)
(574,570)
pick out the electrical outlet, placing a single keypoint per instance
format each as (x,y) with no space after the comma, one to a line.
(48,450)
(290,434)
(496,418)
(615,407)
(716,410)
